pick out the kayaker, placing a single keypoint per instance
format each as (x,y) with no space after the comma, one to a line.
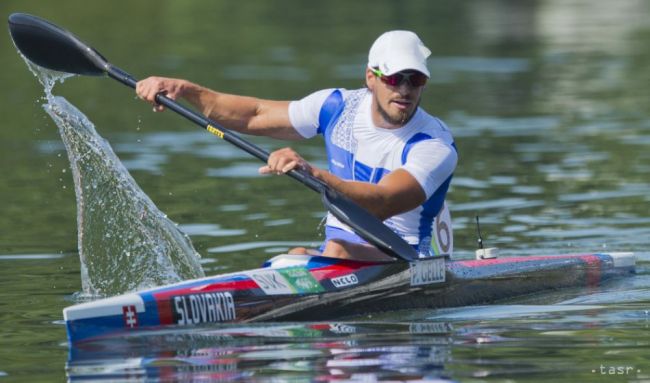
(384,151)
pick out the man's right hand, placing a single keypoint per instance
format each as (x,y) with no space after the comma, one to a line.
(148,88)
(283,161)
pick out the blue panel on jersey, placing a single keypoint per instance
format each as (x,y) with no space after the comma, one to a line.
(379,174)
(340,160)
(330,111)
(362,172)
(412,141)
(431,208)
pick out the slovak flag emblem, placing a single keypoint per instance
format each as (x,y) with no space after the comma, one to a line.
(130,316)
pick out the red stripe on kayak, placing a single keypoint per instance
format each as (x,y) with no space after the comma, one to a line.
(333,271)
(593,270)
(245,284)
(319,326)
(500,261)
(165,311)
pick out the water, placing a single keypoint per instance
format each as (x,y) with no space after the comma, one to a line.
(125,243)
(548,101)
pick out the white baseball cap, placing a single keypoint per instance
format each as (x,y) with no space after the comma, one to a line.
(395,51)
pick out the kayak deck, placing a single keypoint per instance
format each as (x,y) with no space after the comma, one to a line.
(291,287)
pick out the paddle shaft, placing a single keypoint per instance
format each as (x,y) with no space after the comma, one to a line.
(215,128)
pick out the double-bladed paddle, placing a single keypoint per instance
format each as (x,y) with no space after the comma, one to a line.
(52,47)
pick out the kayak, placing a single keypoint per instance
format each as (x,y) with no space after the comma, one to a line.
(300,287)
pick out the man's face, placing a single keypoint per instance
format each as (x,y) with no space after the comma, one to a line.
(393,106)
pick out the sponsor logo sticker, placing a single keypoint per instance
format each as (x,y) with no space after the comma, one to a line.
(203,308)
(341,328)
(130,316)
(345,280)
(271,281)
(427,271)
(300,280)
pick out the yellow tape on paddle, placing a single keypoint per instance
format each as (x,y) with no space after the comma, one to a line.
(215,131)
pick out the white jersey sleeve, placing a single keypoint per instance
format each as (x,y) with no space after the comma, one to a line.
(431,162)
(304,113)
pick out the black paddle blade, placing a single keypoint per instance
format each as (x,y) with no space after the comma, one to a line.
(368,226)
(51,47)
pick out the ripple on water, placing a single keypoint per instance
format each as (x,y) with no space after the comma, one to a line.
(279,222)
(27,257)
(210,230)
(500,204)
(507,311)
(597,195)
(527,189)
(237,170)
(233,207)
(255,216)
(613,297)
(258,245)
(474,126)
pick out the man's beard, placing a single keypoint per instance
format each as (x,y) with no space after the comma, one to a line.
(402,119)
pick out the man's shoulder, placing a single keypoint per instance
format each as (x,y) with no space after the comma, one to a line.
(319,97)
(347,94)
(431,125)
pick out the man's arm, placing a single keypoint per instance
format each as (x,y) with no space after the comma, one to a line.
(396,193)
(243,114)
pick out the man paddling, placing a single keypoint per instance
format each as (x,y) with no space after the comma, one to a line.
(384,151)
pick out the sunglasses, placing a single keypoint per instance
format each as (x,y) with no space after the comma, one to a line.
(414,78)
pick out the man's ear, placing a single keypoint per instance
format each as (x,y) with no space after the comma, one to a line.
(370,79)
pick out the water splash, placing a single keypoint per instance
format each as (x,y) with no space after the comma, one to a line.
(125,242)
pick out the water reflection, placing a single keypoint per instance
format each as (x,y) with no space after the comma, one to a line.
(321,351)
(450,343)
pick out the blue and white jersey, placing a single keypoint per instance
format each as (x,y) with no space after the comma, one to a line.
(360,151)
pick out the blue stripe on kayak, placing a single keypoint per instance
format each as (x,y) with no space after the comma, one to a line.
(82,329)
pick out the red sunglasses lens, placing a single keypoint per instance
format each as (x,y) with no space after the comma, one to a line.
(394,79)
(418,79)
